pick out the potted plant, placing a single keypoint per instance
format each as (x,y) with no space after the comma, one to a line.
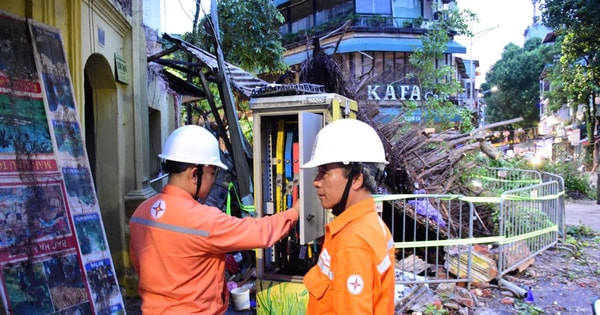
(377,20)
(418,22)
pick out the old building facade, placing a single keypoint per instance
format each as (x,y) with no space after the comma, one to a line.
(125,111)
(376,42)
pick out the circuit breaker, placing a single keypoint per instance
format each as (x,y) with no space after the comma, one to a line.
(284,131)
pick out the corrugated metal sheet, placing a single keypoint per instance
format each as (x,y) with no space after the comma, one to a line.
(241,80)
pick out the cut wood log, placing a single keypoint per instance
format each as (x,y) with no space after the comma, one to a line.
(483,268)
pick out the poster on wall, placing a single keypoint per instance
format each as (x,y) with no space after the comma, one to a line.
(54,255)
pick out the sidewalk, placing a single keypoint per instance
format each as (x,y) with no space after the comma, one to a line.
(583,212)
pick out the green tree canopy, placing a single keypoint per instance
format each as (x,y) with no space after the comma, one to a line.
(437,77)
(516,75)
(576,76)
(249,33)
(577,21)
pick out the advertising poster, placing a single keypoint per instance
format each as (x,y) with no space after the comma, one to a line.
(54,255)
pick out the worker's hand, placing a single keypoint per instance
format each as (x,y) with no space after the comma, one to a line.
(296,207)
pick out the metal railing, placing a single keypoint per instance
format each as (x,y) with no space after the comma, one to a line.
(499,180)
(547,177)
(528,221)
(423,226)
(435,235)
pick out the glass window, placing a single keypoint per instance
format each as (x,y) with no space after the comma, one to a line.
(301,17)
(382,7)
(333,10)
(407,8)
(378,69)
(400,62)
(388,67)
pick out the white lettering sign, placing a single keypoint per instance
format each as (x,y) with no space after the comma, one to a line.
(397,92)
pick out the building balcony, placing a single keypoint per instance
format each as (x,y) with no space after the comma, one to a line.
(298,31)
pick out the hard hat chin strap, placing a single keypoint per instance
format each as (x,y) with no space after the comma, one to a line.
(341,206)
(199,170)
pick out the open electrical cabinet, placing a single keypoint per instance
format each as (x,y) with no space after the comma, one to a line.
(284,129)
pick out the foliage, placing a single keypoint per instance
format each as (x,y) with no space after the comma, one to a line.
(525,218)
(572,84)
(578,21)
(576,182)
(246,121)
(435,309)
(576,76)
(439,80)
(249,33)
(577,238)
(527,309)
(254,46)
(516,75)
(581,231)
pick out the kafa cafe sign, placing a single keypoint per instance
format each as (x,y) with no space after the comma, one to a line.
(394,92)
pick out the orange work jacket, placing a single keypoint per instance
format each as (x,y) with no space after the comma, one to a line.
(178,248)
(355,270)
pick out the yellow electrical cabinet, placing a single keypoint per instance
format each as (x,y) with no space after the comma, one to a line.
(284,131)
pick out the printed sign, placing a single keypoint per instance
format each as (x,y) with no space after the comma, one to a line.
(54,256)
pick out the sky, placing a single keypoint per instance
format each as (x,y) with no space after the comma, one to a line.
(179,14)
(500,22)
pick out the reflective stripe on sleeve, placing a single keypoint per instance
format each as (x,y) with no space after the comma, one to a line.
(384,264)
(324,263)
(169,227)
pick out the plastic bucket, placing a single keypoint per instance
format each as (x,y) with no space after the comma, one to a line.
(241,298)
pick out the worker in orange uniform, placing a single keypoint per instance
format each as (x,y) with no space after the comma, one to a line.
(355,270)
(178,245)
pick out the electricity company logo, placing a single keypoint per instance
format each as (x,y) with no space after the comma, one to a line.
(158,209)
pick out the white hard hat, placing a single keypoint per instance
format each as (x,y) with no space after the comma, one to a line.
(192,144)
(346,140)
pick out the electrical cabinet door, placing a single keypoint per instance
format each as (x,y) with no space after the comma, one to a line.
(312,215)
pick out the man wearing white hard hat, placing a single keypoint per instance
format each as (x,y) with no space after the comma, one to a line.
(178,245)
(355,270)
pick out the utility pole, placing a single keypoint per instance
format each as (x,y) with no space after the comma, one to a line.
(479,96)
